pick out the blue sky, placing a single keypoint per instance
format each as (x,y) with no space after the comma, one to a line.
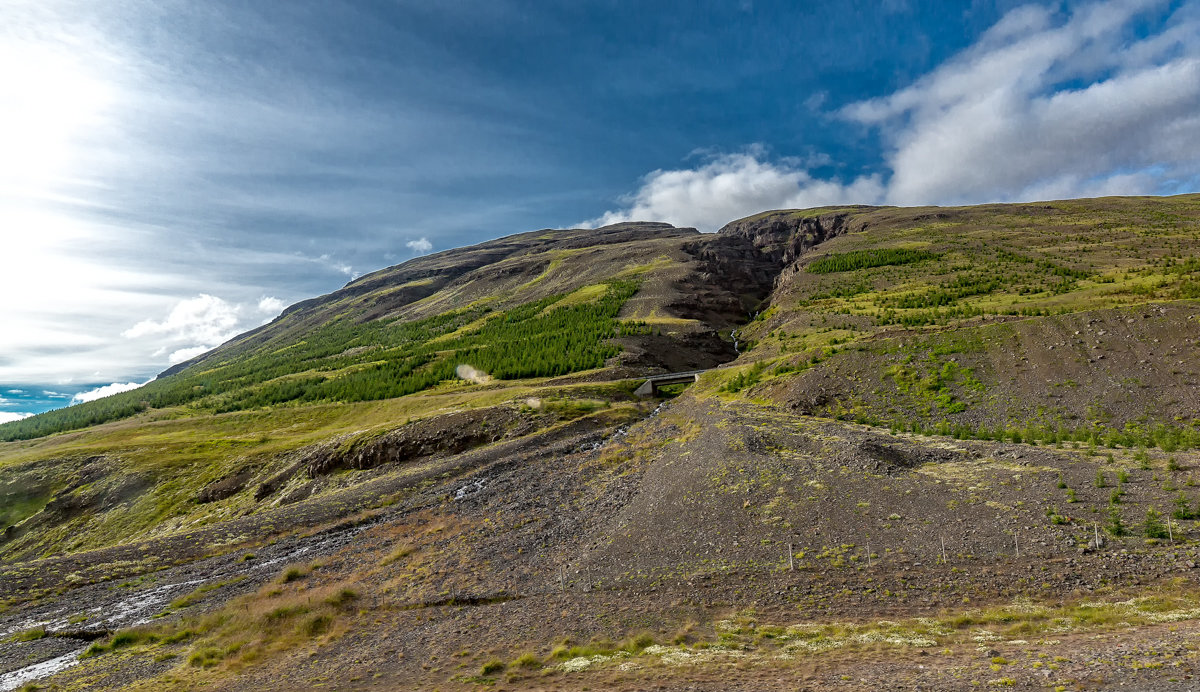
(173,172)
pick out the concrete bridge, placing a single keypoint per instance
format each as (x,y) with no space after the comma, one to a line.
(651,385)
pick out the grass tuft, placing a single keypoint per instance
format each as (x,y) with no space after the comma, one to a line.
(29,635)
(492,667)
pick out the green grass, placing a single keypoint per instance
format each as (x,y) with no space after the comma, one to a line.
(28,635)
(1004,260)
(177,452)
(121,640)
(757,640)
(15,509)
(526,660)
(198,594)
(492,667)
(348,361)
(888,293)
(273,619)
(291,574)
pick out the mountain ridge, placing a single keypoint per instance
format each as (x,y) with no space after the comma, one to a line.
(922,431)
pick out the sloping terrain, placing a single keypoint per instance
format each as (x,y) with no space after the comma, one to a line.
(200,443)
(1054,315)
(943,449)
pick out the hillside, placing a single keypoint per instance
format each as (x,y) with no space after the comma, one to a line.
(935,448)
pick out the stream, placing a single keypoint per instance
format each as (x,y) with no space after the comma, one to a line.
(106,610)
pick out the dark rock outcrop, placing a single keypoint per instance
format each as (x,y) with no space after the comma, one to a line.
(226,487)
(783,236)
(446,435)
(734,278)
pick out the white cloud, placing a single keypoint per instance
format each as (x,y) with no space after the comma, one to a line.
(51,97)
(730,186)
(10,416)
(270,306)
(1046,107)
(200,324)
(186,354)
(206,319)
(106,390)
(1043,106)
(421,246)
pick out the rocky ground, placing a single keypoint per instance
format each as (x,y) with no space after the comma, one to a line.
(669,530)
(879,488)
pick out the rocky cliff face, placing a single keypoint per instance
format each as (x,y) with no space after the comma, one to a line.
(781,237)
(741,265)
(735,271)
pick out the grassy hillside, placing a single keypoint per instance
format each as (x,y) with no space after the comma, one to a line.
(937,448)
(344,361)
(506,319)
(518,307)
(1062,321)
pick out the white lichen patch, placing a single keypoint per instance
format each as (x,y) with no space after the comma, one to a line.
(893,638)
(680,656)
(1174,616)
(934,627)
(810,646)
(574,665)
(985,636)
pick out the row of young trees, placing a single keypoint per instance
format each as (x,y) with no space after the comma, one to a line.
(531,340)
(1169,438)
(945,294)
(349,361)
(333,346)
(866,259)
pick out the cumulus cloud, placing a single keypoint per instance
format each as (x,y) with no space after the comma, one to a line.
(270,305)
(730,186)
(421,246)
(106,390)
(205,318)
(188,353)
(1044,105)
(10,416)
(199,324)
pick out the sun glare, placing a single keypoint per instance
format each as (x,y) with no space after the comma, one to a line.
(50,102)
